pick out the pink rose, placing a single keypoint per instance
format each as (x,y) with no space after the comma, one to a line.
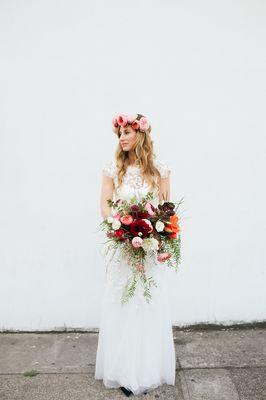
(143,124)
(122,120)
(163,256)
(117,216)
(126,219)
(149,207)
(137,241)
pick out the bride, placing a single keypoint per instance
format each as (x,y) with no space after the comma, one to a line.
(135,349)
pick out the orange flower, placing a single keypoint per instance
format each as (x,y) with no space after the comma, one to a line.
(172,227)
(173,235)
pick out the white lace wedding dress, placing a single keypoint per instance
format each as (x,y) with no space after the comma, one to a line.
(135,344)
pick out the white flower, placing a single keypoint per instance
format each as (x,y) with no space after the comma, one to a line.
(116,224)
(110,219)
(150,244)
(155,244)
(159,226)
(145,244)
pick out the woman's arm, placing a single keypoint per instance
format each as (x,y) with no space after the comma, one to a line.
(164,182)
(106,193)
(164,192)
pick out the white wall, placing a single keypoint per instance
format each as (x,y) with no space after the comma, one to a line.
(197,70)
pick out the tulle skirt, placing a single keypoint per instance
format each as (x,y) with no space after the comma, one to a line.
(135,343)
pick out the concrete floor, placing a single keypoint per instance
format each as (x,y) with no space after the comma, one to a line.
(219,364)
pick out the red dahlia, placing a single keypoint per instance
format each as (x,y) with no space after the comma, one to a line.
(140,226)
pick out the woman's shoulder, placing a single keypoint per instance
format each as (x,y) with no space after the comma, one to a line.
(109,168)
(163,167)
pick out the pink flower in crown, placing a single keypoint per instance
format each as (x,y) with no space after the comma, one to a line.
(114,122)
(143,124)
(122,120)
(131,118)
(135,125)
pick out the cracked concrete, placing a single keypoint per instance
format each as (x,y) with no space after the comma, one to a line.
(218,364)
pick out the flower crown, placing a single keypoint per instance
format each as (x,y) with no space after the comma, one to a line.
(141,124)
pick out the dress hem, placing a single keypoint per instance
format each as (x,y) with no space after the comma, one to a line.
(115,384)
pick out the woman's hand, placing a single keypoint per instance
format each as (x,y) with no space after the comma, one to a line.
(164,190)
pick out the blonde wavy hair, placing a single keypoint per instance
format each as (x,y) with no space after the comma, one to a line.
(143,149)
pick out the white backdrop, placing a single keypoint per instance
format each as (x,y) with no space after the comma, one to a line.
(196,69)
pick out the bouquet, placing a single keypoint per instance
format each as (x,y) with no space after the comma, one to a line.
(140,230)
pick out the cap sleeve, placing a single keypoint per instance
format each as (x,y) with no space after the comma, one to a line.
(163,168)
(109,169)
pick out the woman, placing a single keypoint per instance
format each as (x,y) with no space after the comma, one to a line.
(135,346)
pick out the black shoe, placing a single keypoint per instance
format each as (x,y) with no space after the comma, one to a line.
(126,391)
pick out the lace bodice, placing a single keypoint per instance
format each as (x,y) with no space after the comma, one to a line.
(132,181)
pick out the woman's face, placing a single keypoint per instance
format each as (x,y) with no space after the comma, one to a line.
(127,137)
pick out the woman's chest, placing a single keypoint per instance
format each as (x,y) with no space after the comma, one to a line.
(133,184)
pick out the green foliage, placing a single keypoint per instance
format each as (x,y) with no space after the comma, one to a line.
(147,283)
(32,372)
(125,206)
(173,246)
(130,287)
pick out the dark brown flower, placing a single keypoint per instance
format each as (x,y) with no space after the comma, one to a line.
(167,208)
